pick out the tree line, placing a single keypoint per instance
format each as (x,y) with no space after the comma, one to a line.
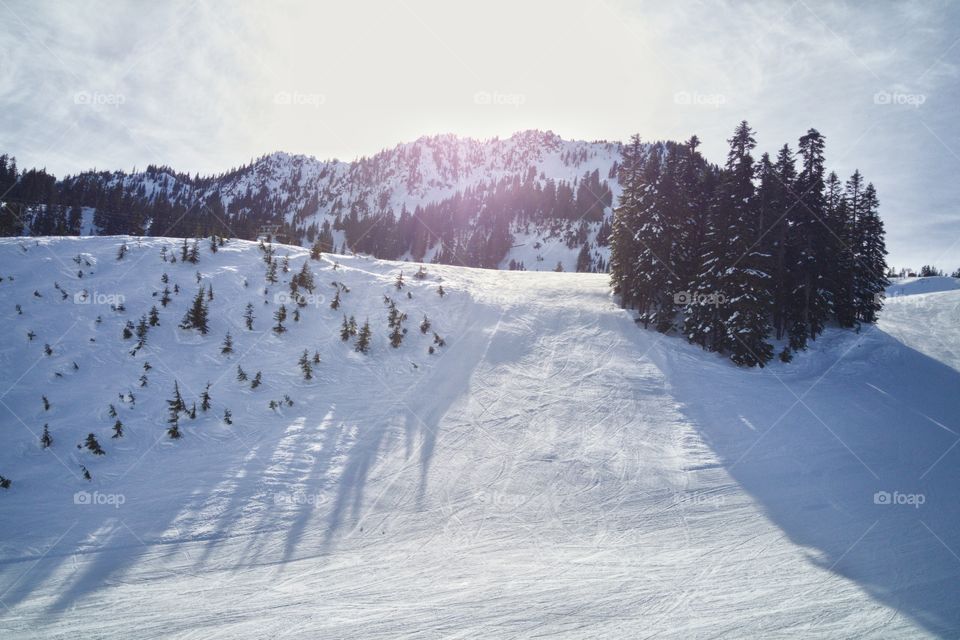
(734,256)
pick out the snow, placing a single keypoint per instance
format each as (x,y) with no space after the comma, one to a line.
(552,470)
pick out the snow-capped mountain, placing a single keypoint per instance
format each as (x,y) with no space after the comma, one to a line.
(530,201)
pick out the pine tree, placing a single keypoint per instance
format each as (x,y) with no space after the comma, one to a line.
(363,338)
(46,403)
(112,411)
(5,482)
(742,273)
(870,265)
(241,374)
(425,325)
(256,381)
(316,357)
(440,291)
(812,303)
(398,283)
(584,259)
(227,416)
(345,332)
(227,347)
(196,316)
(272,273)
(335,303)
(194,256)
(248,316)
(305,365)
(94,446)
(205,399)
(623,245)
(117,429)
(154,316)
(304,279)
(122,251)
(193,411)
(175,405)
(46,440)
(280,315)
(184,251)
(165,299)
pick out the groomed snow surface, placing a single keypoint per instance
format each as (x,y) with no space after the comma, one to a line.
(554,469)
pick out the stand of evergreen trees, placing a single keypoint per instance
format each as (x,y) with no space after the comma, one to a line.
(736,255)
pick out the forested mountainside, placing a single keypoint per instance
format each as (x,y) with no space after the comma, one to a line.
(531,201)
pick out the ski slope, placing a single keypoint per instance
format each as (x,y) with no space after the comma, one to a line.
(552,470)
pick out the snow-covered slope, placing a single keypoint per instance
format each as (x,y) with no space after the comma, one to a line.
(551,469)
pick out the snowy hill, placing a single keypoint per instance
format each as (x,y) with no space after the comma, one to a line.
(550,469)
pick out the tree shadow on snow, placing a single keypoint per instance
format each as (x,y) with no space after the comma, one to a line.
(875,417)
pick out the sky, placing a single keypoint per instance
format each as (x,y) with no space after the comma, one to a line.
(204,86)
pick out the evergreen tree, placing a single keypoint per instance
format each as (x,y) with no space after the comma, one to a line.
(227,416)
(46,440)
(94,446)
(335,303)
(280,315)
(241,374)
(227,347)
(345,332)
(623,244)
(256,382)
(117,429)
(248,316)
(742,270)
(196,316)
(305,365)
(154,316)
(205,399)
(425,325)
(870,280)
(814,256)
(363,338)
(5,482)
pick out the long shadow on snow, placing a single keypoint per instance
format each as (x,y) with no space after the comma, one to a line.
(884,403)
(416,414)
